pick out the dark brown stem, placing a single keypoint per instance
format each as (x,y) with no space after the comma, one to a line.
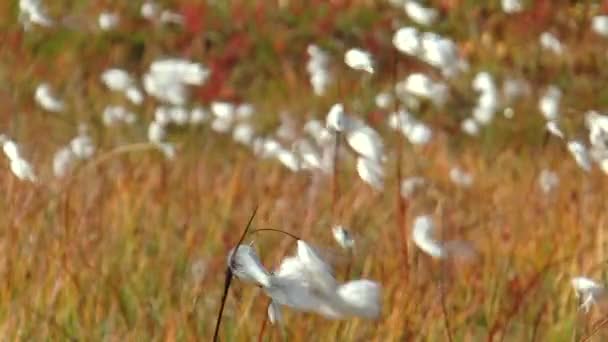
(401,202)
(228,279)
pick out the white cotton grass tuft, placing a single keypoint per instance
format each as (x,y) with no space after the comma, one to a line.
(550,42)
(119,80)
(108,20)
(588,291)
(47,100)
(113,115)
(343,237)
(274,313)
(415,131)
(371,172)
(308,154)
(171,17)
(488,100)
(63,161)
(460,177)
(599,25)
(422,235)
(149,10)
(360,298)
(597,124)
(384,100)
(19,166)
(167,79)
(580,154)
(82,145)
(552,126)
(550,102)
(318,69)
(366,142)
(246,265)
(548,181)
(10,148)
(470,127)
(407,40)
(512,6)
(305,282)
(198,115)
(419,14)
(433,49)
(422,86)
(243,133)
(359,59)
(33,12)
(411,185)
(320,272)
(337,119)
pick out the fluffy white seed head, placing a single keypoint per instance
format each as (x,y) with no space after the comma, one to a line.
(246,265)
(422,235)
(419,14)
(460,177)
(550,42)
(553,127)
(550,102)
(599,24)
(366,142)
(361,298)
(337,120)
(511,6)
(343,237)
(46,99)
(108,20)
(359,60)
(580,154)
(548,180)
(407,41)
(588,291)
(371,172)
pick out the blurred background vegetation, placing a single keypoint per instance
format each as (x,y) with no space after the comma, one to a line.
(132,246)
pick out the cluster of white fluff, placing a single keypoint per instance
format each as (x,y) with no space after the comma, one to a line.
(305,282)
(422,86)
(431,48)
(416,132)
(359,59)
(33,12)
(119,80)
(19,166)
(363,140)
(81,147)
(318,69)
(588,291)
(46,99)
(167,79)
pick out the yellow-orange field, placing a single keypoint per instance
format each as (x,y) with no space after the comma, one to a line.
(132,246)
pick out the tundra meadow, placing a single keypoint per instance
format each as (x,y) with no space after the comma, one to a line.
(322,170)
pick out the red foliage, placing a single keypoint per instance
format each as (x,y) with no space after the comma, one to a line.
(221,65)
(193,17)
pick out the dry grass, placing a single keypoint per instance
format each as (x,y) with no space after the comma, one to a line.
(121,249)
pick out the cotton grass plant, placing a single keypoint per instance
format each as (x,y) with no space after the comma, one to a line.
(198,111)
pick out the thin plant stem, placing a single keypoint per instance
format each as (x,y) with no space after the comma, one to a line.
(401,204)
(599,325)
(228,278)
(295,237)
